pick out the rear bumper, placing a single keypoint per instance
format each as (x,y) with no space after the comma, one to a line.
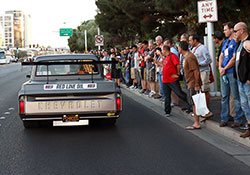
(59,117)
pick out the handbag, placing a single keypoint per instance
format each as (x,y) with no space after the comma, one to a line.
(200,103)
(211,77)
(108,76)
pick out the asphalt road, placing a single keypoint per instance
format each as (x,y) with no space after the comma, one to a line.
(140,143)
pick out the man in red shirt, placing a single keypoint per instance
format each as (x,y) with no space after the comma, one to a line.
(170,72)
(142,53)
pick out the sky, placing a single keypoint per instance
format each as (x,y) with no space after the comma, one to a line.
(48,16)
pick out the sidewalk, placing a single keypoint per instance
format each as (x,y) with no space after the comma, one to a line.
(211,124)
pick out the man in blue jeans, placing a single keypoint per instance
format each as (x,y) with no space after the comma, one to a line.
(227,81)
(242,70)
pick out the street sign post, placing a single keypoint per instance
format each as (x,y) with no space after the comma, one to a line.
(207,11)
(99,40)
(66,32)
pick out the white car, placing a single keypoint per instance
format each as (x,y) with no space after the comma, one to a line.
(5,59)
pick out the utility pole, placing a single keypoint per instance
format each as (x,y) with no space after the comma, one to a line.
(98,31)
(211,48)
(86,42)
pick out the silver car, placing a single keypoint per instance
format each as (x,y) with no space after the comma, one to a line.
(68,90)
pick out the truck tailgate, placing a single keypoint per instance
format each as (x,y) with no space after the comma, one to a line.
(70,104)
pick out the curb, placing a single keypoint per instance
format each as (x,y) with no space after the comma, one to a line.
(211,125)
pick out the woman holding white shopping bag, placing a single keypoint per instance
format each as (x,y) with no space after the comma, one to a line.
(192,76)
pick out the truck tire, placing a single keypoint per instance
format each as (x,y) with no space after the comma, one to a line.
(30,124)
(103,122)
(109,122)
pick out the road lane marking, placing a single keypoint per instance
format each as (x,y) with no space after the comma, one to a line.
(11,109)
(7,113)
(2,118)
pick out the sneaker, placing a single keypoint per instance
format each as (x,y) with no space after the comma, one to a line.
(135,88)
(132,87)
(167,115)
(142,91)
(150,95)
(147,92)
(162,100)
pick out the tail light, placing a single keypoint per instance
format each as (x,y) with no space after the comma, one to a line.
(118,103)
(21,106)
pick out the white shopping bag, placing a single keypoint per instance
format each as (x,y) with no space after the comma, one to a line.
(200,104)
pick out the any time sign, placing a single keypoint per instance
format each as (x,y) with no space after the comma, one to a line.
(207,11)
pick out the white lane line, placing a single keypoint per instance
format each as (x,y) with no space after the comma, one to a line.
(11,109)
(2,118)
(7,113)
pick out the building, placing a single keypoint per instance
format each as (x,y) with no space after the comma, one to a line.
(27,31)
(7,25)
(1,36)
(17,31)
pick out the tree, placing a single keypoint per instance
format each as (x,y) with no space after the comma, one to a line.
(128,20)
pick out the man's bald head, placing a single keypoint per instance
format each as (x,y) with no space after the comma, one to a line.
(241,25)
(240,31)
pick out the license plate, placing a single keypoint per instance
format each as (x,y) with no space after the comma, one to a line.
(80,123)
(70,118)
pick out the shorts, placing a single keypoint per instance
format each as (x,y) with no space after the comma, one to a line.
(205,79)
(116,73)
(190,93)
(132,72)
(151,75)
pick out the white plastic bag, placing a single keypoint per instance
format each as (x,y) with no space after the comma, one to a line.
(200,104)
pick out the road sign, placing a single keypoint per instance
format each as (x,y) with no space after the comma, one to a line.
(99,40)
(66,32)
(207,11)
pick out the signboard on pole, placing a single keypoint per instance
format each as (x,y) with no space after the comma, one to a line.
(99,40)
(66,32)
(207,11)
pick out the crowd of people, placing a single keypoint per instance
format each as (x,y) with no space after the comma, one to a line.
(156,67)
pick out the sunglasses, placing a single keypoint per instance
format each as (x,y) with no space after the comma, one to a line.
(235,31)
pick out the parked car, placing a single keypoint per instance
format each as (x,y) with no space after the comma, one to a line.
(4,59)
(68,90)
